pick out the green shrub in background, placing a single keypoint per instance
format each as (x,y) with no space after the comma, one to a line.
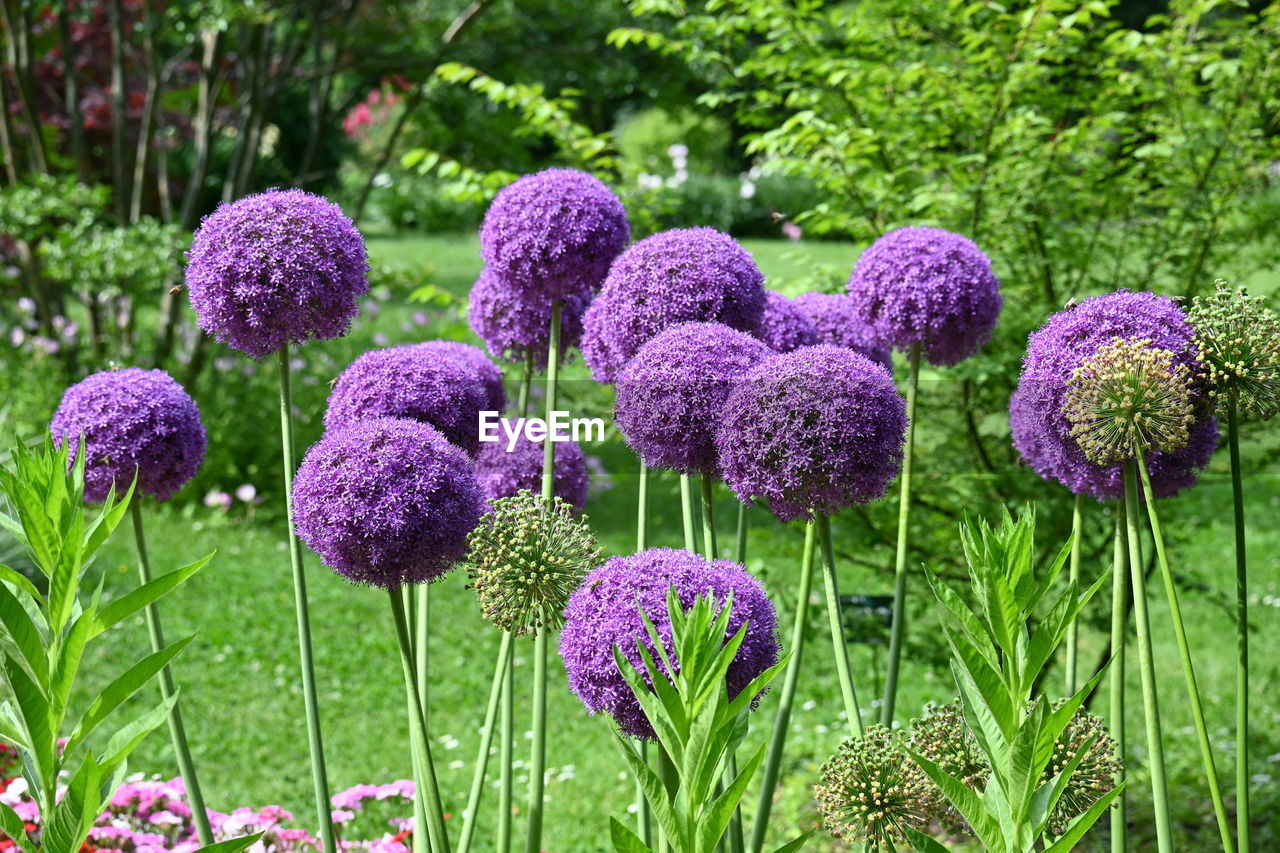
(646,140)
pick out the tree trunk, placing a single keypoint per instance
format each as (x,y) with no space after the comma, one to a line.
(205,97)
(119,171)
(146,130)
(17,24)
(71,95)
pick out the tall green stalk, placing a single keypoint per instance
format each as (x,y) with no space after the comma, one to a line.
(1073,574)
(644,814)
(839,647)
(1184,654)
(1147,666)
(782,723)
(740,541)
(427,807)
(538,752)
(421,649)
(898,630)
(319,776)
(686,514)
(486,741)
(1242,630)
(177,731)
(1119,612)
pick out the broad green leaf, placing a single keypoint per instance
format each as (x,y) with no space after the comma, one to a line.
(232,845)
(924,843)
(757,684)
(69,655)
(794,844)
(21,633)
(14,827)
(1082,824)
(77,809)
(624,840)
(19,580)
(126,739)
(1046,796)
(715,821)
(656,793)
(33,714)
(966,802)
(136,599)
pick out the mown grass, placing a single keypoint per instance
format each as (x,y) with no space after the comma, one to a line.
(240,680)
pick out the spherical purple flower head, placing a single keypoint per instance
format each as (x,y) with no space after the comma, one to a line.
(513,324)
(281,267)
(927,287)
(489,374)
(386,501)
(503,473)
(413,381)
(133,421)
(1041,432)
(784,326)
(813,431)
(605,613)
(680,276)
(671,393)
(836,323)
(554,233)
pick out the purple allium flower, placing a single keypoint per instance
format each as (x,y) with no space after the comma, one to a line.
(412,381)
(605,613)
(679,276)
(671,393)
(386,501)
(927,287)
(133,421)
(513,324)
(503,474)
(836,323)
(280,267)
(554,233)
(813,431)
(1041,431)
(785,325)
(489,374)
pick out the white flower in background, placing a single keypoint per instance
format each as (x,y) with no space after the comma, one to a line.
(382,180)
(678,178)
(747,190)
(648,182)
(677,151)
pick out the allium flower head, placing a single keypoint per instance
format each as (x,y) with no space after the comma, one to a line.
(872,792)
(513,324)
(785,326)
(133,421)
(930,288)
(812,431)
(671,394)
(413,381)
(280,267)
(554,233)
(604,613)
(836,323)
(473,357)
(526,557)
(1129,394)
(386,502)
(504,474)
(679,276)
(1041,431)
(1239,341)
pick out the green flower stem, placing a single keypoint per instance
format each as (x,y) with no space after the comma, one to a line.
(686,514)
(538,751)
(319,777)
(644,815)
(1242,631)
(1073,574)
(426,800)
(1147,666)
(670,778)
(782,723)
(506,788)
(486,741)
(177,730)
(1184,653)
(522,405)
(1119,612)
(740,543)
(421,651)
(898,630)
(839,647)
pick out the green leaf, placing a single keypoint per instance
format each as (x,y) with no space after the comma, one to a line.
(923,843)
(715,820)
(124,741)
(1046,796)
(21,633)
(33,714)
(232,845)
(966,802)
(133,601)
(75,812)
(656,793)
(14,828)
(1082,824)
(624,840)
(19,580)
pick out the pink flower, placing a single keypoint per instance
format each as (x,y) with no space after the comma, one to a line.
(791,231)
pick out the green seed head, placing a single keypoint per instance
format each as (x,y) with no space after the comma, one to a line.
(1239,340)
(1129,394)
(527,557)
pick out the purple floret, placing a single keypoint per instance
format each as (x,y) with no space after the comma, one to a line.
(680,276)
(513,325)
(133,421)
(554,233)
(1041,432)
(490,374)
(785,326)
(386,502)
(276,268)
(504,474)
(605,612)
(927,287)
(837,324)
(671,394)
(414,381)
(813,431)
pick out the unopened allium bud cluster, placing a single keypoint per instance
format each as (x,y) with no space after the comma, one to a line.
(1239,340)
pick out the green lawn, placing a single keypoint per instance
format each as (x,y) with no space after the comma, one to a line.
(244,707)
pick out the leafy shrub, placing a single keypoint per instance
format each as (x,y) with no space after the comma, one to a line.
(645,141)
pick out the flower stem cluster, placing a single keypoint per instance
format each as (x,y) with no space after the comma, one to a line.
(1129,394)
(527,557)
(1239,341)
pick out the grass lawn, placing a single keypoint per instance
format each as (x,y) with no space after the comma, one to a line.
(244,707)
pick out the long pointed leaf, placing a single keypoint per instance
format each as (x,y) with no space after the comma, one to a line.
(138,598)
(716,820)
(624,840)
(15,828)
(232,845)
(1067,841)
(966,802)
(656,793)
